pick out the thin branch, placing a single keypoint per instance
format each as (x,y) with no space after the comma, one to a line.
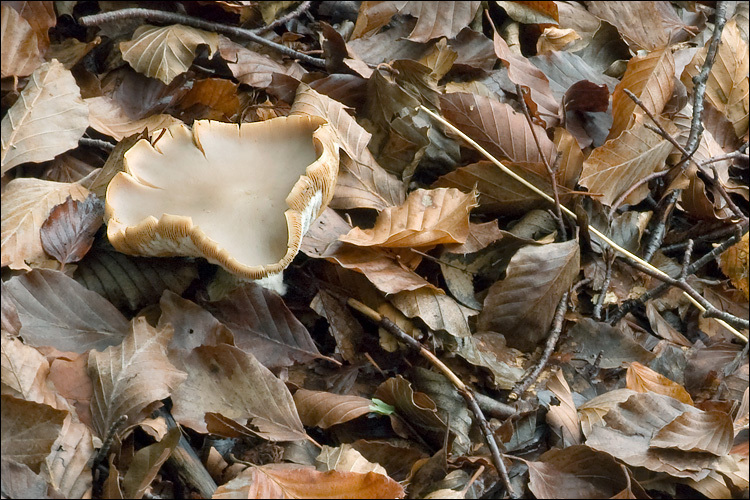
(462,388)
(664,209)
(303,7)
(552,338)
(96,143)
(550,170)
(610,258)
(729,156)
(639,183)
(630,305)
(195,22)
(699,81)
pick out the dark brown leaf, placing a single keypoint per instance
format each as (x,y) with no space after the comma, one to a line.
(69,231)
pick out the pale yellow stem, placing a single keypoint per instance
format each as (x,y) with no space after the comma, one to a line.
(569,212)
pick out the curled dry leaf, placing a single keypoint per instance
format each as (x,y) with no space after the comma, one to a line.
(437,310)
(640,24)
(48,118)
(24,372)
(734,264)
(707,431)
(167,51)
(253,68)
(69,464)
(427,218)
(563,418)
(110,118)
(643,379)
(345,458)
(69,231)
(131,377)
(522,305)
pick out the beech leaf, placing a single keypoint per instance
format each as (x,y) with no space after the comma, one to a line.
(436,309)
(224,379)
(130,377)
(435,20)
(324,409)
(20,52)
(522,305)
(47,119)
(641,378)
(164,52)
(69,231)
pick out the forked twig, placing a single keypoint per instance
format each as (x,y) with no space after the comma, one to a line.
(462,388)
(569,212)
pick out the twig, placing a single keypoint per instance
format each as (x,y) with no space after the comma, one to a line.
(664,208)
(96,143)
(552,338)
(632,188)
(610,258)
(550,170)
(630,305)
(99,467)
(686,261)
(462,388)
(706,307)
(304,6)
(710,236)
(728,156)
(565,209)
(172,17)
(699,81)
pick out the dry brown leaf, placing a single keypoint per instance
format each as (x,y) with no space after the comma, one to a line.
(224,379)
(615,166)
(435,20)
(146,463)
(193,326)
(344,327)
(131,377)
(71,380)
(639,24)
(734,264)
(497,128)
(212,99)
(56,311)
(24,373)
(563,418)
(727,87)
(538,96)
(19,480)
(707,431)
(40,15)
(68,465)
(26,203)
(592,412)
(324,409)
(110,118)
(251,67)
(578,471)
(643,379)
(651,79)
(48,118)
(522,305)
(427,218)
(415,407)
(362,177)
(373,16)
(164,52)
(20,50)
(295,481)
(263,324)
(437,310)
(553,39)
(29,430)
(69,230)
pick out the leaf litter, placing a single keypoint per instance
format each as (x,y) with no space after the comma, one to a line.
(443,332)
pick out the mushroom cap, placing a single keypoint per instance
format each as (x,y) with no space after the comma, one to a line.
(241,196)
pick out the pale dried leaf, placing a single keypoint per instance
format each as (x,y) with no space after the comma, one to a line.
(167,51)
(295,481)
(193,326)
(522,305)
(40,15)
(24,372)
(727,87)
(324,409)
(130,377)
(707,431)
(68,465)
(345,458)
(640,24)
(651,79)
(224,379)
(20,50)
(563,418)
(110,118)
(592,412)
(734,264)
(612,168)
(427,218)
(55,310)
(47,119)
(365,186)
(146,463)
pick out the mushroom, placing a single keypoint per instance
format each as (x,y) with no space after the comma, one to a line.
(241,196)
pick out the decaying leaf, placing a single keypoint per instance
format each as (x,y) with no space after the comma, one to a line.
(47,119)
(323,409)
(643,379)
(734,264)
(20,52)
(68,232)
